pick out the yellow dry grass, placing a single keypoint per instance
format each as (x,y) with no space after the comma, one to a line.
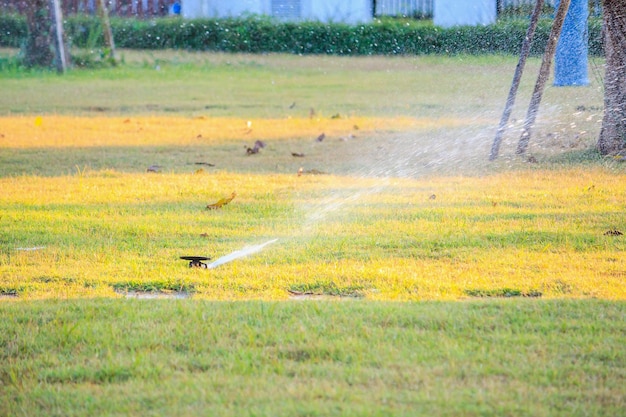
(539,231)
(69,131)
(531,231)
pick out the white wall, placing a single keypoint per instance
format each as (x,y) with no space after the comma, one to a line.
(220,8)
(448,13)
(346,11)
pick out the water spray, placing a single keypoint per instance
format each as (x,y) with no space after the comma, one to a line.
(248,250)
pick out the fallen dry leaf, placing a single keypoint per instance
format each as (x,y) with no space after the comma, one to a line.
(222,202)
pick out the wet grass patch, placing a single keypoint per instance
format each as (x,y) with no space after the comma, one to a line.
(88,375)
(54,279)
(559,287)
(154,287)
(326,288)
(502,293)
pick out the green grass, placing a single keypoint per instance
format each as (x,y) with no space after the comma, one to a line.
(243,85)
(413,278)
(110,357)
(242,88)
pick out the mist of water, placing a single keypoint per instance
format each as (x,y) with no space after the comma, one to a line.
(460,150)
(248,250)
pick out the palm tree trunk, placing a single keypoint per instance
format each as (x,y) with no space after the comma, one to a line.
(38,51)
(613,132)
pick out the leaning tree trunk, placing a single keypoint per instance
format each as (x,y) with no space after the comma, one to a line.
(38,52)
(613,132)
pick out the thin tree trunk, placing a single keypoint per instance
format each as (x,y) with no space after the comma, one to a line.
(56,16)
(109,43)
(38,51)
(544,72)
(613,132)
(519,70)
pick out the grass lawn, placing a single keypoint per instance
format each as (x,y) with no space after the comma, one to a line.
(188,358)
(409,276)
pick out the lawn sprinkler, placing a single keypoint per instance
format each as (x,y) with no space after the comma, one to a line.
(197,261)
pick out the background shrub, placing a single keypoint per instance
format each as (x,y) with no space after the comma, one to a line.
(256,34)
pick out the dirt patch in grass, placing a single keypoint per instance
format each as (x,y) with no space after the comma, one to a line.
(154,295)
(7,293)
(8,297)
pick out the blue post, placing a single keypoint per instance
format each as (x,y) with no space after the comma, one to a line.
(570,61)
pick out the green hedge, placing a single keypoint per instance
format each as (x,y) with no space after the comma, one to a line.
(259,34)
(13,30)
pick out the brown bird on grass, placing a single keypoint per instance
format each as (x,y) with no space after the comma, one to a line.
(321,137)
(258,145)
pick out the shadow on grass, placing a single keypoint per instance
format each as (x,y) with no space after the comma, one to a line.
(49,162)
(584,157)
